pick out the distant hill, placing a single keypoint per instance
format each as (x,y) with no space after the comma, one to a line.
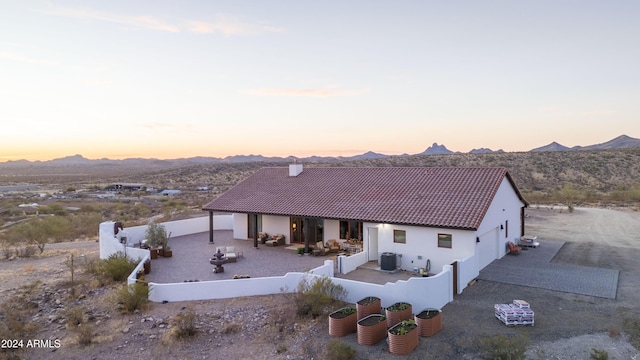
(620,142)
(554,146)
(436,149)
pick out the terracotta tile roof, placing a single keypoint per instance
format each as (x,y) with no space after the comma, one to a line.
(424,196)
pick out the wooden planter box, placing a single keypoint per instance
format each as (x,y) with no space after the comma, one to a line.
(342,322)
(403,344)
(367,306)
(147,266)
(429,322)
(395,315)
(153,253)
(168,253)
(372,329)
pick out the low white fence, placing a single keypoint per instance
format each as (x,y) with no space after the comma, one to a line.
(467,271)
(422,292)
(223,289)
(346,264)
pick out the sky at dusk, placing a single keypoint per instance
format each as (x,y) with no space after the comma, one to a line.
(172,79)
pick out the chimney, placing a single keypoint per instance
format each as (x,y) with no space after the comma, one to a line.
(295,169)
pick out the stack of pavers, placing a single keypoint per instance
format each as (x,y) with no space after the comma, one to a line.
(517,313)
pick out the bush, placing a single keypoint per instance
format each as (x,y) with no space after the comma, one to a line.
(338,350)
(313,298)
(116,267)
(133,297)
(184,324)
(75,316)
(85,334)
(632,327)
(501,347)
(598,354)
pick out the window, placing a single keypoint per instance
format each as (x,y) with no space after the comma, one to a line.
(350,229)
(444,240)
(400,236)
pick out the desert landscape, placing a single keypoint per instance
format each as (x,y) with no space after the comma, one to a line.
(81,319)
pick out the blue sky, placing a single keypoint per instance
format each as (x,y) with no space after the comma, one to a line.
(171,79)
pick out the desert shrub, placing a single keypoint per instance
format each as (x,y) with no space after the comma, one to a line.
(74,315)
(338,350)
(231,328)
(632,327)
(597,354)
(500,347)
(314,297)
(116,267)
(184,324)
(16,314)
(132,297)
(85,334)
(26,251)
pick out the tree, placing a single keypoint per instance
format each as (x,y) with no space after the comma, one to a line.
(569,194)
(156,235)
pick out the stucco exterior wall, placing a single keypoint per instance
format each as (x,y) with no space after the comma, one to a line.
(276,225)
(422,242)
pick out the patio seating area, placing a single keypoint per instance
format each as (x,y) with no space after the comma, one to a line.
(191,255)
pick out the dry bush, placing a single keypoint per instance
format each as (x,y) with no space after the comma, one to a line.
(184,324)
(85,334)
(132,297)
(231,328)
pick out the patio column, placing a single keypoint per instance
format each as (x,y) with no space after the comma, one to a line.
(255,229)
(210,227)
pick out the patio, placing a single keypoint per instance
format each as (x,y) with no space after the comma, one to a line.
(191,254)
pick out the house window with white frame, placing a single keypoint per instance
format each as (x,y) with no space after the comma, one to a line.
(445,241)
(399,236)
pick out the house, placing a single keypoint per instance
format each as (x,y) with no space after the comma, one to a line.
(419,214)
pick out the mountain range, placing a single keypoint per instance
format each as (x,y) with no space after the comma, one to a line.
(620,142)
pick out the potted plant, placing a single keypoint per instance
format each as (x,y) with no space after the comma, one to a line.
(371,329)
(147,266)
(403,337)
(300,251)
(166,249)
(398,312)
(367,306)
(156,236)
(429,322)
(342,321)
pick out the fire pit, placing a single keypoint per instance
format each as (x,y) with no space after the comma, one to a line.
(217,260)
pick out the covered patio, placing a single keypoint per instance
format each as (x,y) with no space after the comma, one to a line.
(191,254)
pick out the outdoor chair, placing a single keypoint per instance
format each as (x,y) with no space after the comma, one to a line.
(320,249)
(276,240)
(334,245)
(514,249)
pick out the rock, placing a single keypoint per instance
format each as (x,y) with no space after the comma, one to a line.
(126,330)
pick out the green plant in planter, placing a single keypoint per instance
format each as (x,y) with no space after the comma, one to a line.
(156,235)
(398,306)
(348,310)
(404,327)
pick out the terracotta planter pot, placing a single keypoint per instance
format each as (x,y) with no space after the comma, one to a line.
(403,344)
(429,322)
(367,306)
(398,312)
(372,329)
(342,322)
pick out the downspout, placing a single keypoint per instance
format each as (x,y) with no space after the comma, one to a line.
(210,227)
